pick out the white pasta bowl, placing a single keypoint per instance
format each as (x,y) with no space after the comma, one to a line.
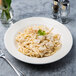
(66,39)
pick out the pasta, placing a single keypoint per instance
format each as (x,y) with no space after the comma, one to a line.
(38,41)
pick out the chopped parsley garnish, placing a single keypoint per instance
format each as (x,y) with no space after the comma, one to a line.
(40,32)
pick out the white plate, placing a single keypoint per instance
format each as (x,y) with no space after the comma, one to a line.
(66,39)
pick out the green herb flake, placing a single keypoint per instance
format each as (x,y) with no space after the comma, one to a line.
(40,32)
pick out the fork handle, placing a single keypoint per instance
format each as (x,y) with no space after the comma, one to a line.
(17,71)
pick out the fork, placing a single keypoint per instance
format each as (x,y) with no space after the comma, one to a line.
(2,55)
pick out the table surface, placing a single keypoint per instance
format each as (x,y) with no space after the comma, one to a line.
(42,8)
